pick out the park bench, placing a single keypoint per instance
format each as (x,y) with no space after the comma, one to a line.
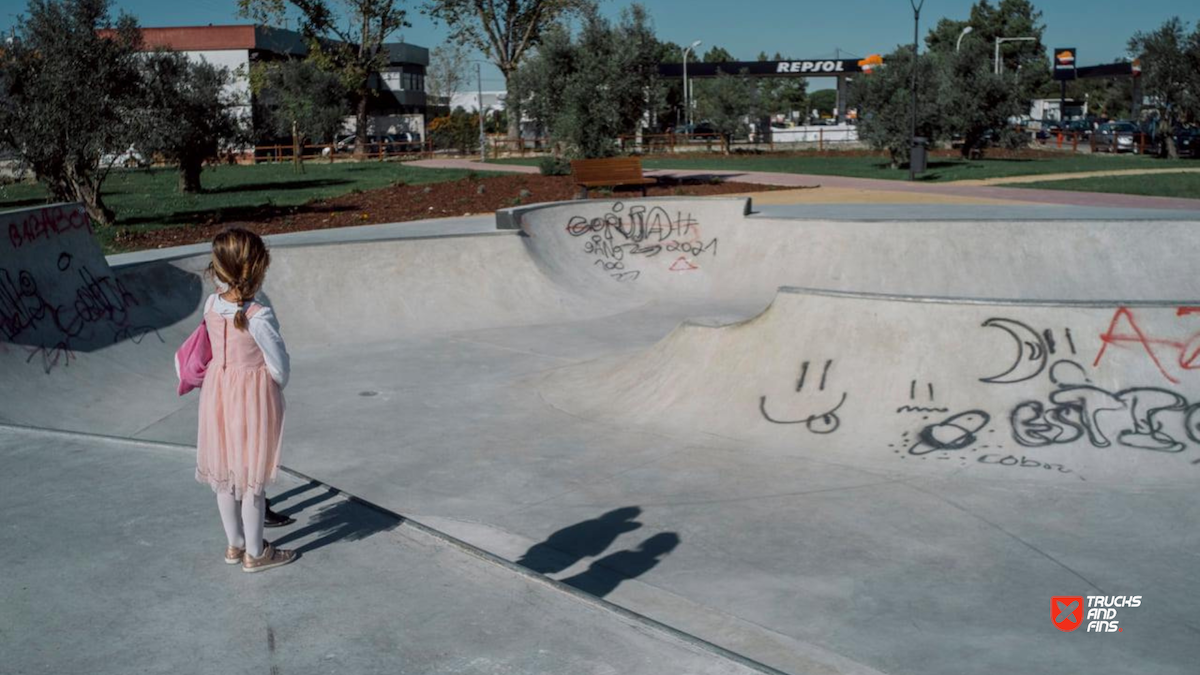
(610,172)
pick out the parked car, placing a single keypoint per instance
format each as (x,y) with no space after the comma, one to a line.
(130,159)
(698,128)
(1081,127)
(1187,142)
(389,143)
(1117,137)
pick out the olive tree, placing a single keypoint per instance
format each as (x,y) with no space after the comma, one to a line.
(588,89)
(1170,73)
(506,31)
(349,43)
(296,98)
(884,102)
(72,84)
(187,114)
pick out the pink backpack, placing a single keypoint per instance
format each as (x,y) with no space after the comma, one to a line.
(191,359)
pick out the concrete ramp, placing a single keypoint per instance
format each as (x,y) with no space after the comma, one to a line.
(673,249)
(1050,391)
(831,446)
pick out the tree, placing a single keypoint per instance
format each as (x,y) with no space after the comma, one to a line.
(71,87)
(1170,75)
(446,72)
(589,89)
(355,52)
(884,102)
(1110,97)
(667,99)
(717,54)
(458,131)
(728,100)
(975,100)
(825,100)
(1008,18)
(505,31)
(185,114)
(784,95)
(296,98)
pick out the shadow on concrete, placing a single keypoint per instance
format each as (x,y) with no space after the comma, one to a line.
(298,490)
(72,307)
(344,520)
(292,510)
(581,540)
(604,575)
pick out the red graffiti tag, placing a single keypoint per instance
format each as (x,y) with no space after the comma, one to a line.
(1188,350)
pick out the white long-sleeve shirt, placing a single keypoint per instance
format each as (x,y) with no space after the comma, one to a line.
(264,328)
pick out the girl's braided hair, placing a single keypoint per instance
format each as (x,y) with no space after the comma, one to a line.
(240,260)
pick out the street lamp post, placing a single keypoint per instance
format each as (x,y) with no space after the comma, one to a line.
(687,98)
(482,135)
(916,8)
(996,65)
(962,35)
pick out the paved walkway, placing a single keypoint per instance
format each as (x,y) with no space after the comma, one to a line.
(1013,180)
(900,191)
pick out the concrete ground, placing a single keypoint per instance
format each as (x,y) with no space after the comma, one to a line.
(113,564)
(613,435)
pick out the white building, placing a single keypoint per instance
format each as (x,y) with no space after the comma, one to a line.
(400,105)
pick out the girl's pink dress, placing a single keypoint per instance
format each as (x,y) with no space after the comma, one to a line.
(241,413)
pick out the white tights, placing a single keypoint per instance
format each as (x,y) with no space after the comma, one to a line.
(243,521)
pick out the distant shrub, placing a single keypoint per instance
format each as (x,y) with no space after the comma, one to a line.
(554,166)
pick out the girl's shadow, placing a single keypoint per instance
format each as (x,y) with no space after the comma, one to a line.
(581,540)
(343,520)
(604,575)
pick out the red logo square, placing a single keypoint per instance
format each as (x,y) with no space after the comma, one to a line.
(1066,611)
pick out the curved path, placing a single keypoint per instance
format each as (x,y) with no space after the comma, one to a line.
(985,191)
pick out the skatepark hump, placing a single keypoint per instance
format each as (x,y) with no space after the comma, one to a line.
(1015,404)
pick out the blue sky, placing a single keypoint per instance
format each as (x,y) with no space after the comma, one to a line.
(1099,28)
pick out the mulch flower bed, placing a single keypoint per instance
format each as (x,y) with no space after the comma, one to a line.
(484,193)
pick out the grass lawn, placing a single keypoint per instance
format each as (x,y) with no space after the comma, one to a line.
(941,169)
(149,198)
(1186,185)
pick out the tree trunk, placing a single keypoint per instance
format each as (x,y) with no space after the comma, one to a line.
(297,158)
(85,191)
(189,175)
(94,204)
(360,125)
(512,106)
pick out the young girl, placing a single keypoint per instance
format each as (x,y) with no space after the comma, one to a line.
(241,402)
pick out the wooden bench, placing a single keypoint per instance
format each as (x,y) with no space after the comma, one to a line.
(610,172)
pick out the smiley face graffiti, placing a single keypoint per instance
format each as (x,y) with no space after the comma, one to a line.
(824,422)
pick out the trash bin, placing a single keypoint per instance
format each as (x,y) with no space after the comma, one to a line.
(919,159)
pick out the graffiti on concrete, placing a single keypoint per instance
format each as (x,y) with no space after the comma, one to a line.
(955,432)
(623,238)
(46,224)
(1124,330)
(826,420)
(57,295)
(1078,410)
(1044,394)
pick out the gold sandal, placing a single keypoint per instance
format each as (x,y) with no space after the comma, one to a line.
(270,558)
(233,555)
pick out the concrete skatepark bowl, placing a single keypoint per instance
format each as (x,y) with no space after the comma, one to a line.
(877,446)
